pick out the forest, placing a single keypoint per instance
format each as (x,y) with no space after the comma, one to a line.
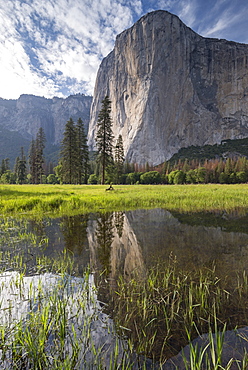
(226,163)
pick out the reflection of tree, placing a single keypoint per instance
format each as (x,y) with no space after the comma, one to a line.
(74,232)
(119,222)
(105,236)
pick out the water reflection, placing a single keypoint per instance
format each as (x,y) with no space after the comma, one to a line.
(104,236)
(160,233)
(127,242)
(74,233)
(124,242)
(113,245)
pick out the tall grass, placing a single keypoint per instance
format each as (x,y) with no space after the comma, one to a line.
(165,311)
(52,320)
(69,199)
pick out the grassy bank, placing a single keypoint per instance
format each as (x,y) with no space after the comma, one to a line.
(71,199)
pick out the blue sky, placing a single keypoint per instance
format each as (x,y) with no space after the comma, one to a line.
(54,47)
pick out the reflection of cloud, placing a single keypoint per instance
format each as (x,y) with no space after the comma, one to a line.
(25,299)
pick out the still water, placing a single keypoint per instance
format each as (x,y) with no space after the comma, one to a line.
(125,242)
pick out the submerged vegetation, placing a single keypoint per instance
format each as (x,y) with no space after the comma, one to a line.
(51,319)
(64,199)
(54,321)
(162,312)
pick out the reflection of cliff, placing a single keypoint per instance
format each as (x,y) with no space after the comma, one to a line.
(113,245)
(126,254)
(159,233)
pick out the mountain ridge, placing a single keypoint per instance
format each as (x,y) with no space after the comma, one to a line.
(21,118)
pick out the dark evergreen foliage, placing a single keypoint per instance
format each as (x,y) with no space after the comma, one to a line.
(39,147)
(32,161)
(119,158)
(238,148)
(69,154)
(83,153)
(4,166)
(74,155)
(104,137)
(36,157)
(21,168)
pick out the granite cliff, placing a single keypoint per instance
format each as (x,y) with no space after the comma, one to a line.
(28,113)
(171,88)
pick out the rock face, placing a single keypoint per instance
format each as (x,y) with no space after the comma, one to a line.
(28,113)
(171,88)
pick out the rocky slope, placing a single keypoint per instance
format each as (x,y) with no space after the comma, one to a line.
(171,88)
(28,113)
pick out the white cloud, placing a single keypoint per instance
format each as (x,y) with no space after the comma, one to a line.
(188,12)
(226,19)
(58,40)
(47,46)
(185,9)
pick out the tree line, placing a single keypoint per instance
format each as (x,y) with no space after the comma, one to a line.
(76,164)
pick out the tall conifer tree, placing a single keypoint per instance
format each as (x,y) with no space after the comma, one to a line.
(21,168)
(36,157)
(40,160)
(83,153)
(69,154)
(119,158)
(104,137)
(32,161)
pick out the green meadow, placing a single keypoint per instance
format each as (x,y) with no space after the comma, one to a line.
(78,199)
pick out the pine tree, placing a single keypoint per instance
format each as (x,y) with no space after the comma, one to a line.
(21,168)
(2,169)
(32,162)
(119,158)
(83,153)
(104,137)
(69,154)
(36,157)
(16,166)
(39,148)
(4,166)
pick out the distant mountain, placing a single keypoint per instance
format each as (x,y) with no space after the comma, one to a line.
(10,144)
(21,119)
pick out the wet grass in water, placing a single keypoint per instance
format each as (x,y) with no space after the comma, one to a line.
(170,307)
(54,321)
(157,316)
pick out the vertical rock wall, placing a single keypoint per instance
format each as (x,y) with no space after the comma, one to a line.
(171,88)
